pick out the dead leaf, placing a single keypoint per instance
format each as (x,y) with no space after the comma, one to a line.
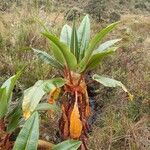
(87,108)
(45,145)
(65,126)
(53,95)
(75,122)
(26,114)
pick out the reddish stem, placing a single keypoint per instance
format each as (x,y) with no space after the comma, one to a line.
(67,73)
(70,77)
(76,96)
(81,77)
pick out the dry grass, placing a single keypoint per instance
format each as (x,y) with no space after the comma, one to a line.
(18,32)
(124,125)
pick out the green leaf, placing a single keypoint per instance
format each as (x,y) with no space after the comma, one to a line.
(6,93)
(46,106)
(93,43)
(68,145)
(33,95)
(57,54)
(106,45)
(96,59)
(84,35)
(70,59)
(65,35)
(14,117)
(3,102)
(111,83)
(29,135)
(14,120)
(10,84)
(74,42)
(47,58)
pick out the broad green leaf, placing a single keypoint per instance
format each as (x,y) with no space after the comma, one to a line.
(84,35)
(96,59)
(9,85)
(3,102)
(74,42)
(65,35)
(106,45)
(48,59)
(57,53)
(57,82)
(33,95)
(29,134)
(6,93)
(14,117)
(46,106)
(93,43)
(111,83)
(70,59)
(67,145)
(99,37)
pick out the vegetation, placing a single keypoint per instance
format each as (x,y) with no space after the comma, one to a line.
(5,98)
(116,122)
(73,55)
(29,134)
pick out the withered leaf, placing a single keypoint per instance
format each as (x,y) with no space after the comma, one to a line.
(75,123)
(53,95)
(65,123)
(87,108)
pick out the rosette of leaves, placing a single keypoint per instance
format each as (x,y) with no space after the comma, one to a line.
(73,54)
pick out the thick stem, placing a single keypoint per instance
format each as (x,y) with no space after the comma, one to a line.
(67,73)
(81,77)
(76,96)
(76,88)
(70,77)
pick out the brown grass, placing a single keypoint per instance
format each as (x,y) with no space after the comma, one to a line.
(122,125)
